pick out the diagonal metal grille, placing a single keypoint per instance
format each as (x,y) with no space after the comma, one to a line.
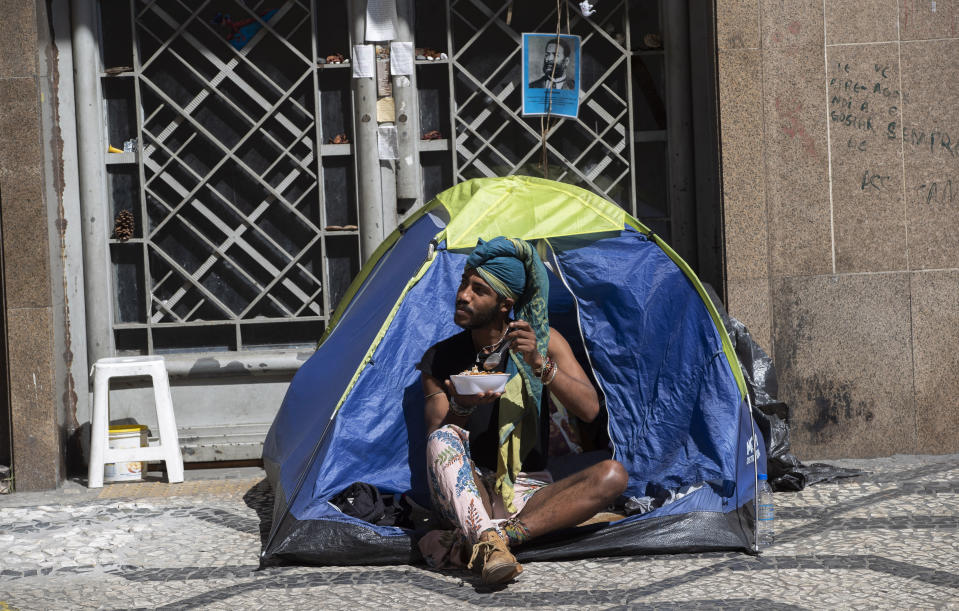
(233,207)
(231,199)
(595,151)
(246,218)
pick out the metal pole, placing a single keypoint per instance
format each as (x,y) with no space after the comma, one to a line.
(407,119)
(94,208)
(366,157)
(682,200)
(74,304)
(706,152)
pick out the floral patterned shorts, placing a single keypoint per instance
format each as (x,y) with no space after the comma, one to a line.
(457,499)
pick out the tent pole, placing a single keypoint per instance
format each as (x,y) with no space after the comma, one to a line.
(752,423)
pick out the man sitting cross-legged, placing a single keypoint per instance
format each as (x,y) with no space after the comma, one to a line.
(486,453)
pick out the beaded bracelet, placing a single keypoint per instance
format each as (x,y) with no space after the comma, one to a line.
(552,375)
(548,371)
(547,363)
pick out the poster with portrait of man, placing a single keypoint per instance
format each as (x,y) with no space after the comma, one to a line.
(551,75)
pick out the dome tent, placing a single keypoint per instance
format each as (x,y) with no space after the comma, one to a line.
(678,412)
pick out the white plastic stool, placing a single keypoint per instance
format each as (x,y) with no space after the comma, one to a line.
(100,451)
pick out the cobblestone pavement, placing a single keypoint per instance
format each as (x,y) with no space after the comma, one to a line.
(886,539)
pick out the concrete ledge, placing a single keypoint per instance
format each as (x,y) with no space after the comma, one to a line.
(227,364)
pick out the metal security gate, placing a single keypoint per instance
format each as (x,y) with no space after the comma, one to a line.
(233,241)
(598,150)
(237,204)
(646,135)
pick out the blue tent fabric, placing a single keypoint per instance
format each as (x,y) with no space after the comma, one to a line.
(655,352)
(676,416)
(371,435)
(308,405)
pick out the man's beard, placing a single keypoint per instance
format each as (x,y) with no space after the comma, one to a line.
(478,319)
(548,70)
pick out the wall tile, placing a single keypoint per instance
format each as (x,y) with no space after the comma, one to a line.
(849,21)
(935,337)
(922,19)
(33,398)
(930,121)
(18,38)
(25,245)
(19,126)
(749,303)
(844,358)
(792,23)
(737,24)
(797,192)
(740,101)
(867,198)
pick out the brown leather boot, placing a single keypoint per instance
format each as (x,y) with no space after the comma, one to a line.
(492,555)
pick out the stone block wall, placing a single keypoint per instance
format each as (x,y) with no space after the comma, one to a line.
(840,140)
(25,170)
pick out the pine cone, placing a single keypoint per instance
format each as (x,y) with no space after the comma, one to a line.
(123,226)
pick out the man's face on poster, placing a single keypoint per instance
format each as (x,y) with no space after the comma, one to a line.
(554,56)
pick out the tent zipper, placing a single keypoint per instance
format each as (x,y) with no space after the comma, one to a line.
(579,325)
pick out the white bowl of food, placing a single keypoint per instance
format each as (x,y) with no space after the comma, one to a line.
(474,383)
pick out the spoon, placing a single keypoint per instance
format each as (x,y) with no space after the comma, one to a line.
(494,358)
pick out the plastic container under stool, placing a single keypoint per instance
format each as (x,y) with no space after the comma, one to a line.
(126,436)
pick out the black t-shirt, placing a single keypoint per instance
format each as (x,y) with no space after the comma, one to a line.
(455,354)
